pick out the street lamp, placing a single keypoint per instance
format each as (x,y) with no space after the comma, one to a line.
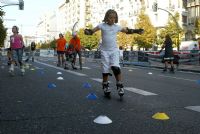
(20,4)
(155,8)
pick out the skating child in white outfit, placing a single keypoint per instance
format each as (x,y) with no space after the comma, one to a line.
(109,48)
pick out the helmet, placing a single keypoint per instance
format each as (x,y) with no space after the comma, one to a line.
(74,34)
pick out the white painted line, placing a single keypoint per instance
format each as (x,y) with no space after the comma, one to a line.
(97,79)
(139,91)
(178,78)
(52,66)
(194,108)
(86,68)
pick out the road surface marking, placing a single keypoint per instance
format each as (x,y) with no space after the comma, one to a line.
(178,78)
(97,79)
(139,91)
(72,72)
(194,108)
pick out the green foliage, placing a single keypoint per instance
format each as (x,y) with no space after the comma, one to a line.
(52,44)
(148,38)
(3,30)
(173,29)
(197,26)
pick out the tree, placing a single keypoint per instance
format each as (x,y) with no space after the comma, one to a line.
(3,30)
(173,29)
(197,26)
(147,39)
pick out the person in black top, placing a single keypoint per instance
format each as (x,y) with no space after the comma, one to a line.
(32,52)
(168,56)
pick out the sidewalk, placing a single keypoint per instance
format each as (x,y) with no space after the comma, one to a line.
(153,64)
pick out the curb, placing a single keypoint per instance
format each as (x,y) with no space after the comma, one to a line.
(146,64)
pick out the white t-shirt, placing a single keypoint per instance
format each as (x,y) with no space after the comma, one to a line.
(109,36)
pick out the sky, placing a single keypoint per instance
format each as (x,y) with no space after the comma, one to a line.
(28,18)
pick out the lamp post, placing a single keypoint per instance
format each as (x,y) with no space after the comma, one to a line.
(155,8)
(20,4)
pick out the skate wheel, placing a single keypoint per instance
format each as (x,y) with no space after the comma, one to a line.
(107,94)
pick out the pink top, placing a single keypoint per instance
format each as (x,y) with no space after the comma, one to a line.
(16,41)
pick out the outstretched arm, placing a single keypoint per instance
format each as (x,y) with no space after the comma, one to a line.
(91,31)
(163,46)
(132,31)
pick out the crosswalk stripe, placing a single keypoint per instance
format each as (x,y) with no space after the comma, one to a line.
(72,72)
(139,91)
(194,108)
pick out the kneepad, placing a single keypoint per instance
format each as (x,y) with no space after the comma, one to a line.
(116,70)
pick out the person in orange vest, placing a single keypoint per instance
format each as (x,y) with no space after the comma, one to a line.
(76,43)
(60,46)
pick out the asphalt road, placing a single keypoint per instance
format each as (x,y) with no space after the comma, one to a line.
(29,106)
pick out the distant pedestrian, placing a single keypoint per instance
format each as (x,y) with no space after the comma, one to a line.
(17,46)
(60,47)
(109,49)
(32,52)
(168,55)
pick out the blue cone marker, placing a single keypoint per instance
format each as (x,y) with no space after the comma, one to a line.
(92,96)
(51,85)
(198,81)
(41,72)
(87,85)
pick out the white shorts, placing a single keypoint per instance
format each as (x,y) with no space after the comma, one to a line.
(108,59)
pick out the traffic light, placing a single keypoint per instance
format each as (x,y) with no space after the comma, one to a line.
(155,6)
(21,5)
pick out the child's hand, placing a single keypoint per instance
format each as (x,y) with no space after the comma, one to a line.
(132,31)
(140,31)
(88,32)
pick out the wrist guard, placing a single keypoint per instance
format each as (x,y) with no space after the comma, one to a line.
(88,32)
(132,31)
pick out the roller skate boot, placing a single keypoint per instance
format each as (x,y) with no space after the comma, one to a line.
(11,70)
(120,89)
(172,70)
(22,71)
(106,89)
(165,69)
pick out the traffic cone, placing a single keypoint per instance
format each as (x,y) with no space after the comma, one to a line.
(51,85)
(198,81)
(160,116)
(87,85)
(59,73)
(102,119)
(60,78)
(91,96)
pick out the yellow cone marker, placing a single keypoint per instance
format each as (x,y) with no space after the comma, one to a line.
(160,116)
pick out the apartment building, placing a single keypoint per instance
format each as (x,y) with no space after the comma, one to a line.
(88,12)
(193,8)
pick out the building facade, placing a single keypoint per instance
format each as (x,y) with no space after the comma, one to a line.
(87,12)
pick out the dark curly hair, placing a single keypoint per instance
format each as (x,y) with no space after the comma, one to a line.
(110,11)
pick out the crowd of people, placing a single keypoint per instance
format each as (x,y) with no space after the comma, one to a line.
(111,54)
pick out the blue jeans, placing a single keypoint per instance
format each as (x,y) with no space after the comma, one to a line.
(17,55)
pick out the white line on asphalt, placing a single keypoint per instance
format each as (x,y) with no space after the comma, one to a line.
(178,78)
(97,79)
(139,91)
(72,72)
(135,90)
(194,108)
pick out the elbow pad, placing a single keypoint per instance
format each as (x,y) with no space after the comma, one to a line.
(88,32)
(132,31)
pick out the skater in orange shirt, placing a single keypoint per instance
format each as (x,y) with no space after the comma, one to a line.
(60,46)
(75,42)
